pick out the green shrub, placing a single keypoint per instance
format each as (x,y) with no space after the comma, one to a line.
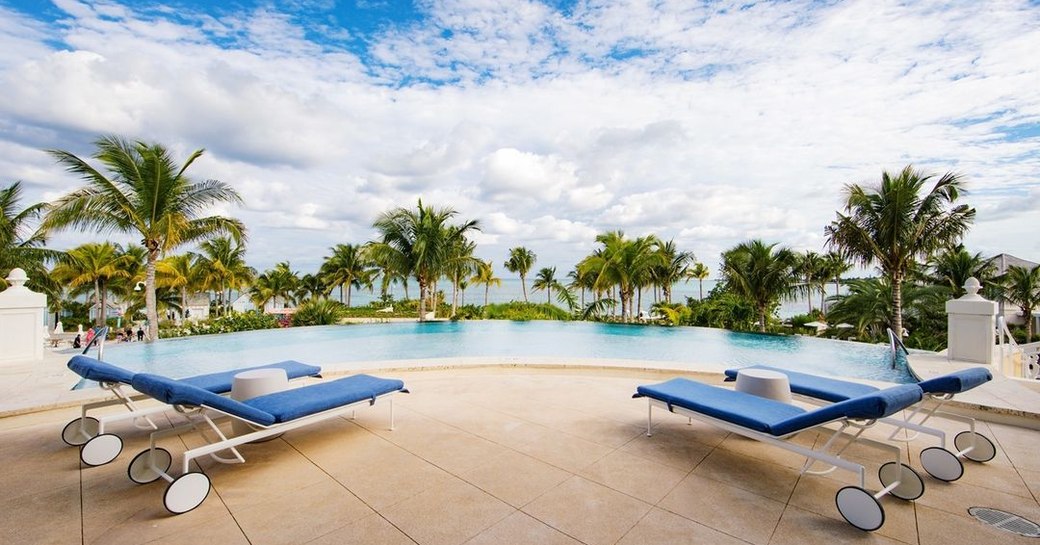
(319,312)
(239,321)
(516,310)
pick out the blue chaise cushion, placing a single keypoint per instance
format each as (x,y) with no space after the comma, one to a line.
(775,417)
(299,402)
(221,382)
(957,381)
(176,392)
(815,386)
(97,370)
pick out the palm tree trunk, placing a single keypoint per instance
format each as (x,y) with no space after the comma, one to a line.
(348,293)
(487,287)
(523,284)
(897,305)
(97,301)
(422,300)
(700,289)
(184,301)
(102,314)
(149,296)
(341,290)
(761,319)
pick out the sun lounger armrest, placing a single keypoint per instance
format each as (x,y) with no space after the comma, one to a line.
(866,407)
(957,381)
(97,370)
(175,392)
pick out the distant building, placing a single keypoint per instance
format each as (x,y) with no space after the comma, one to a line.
(1001,264)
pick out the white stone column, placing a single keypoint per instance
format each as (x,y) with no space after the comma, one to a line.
(22,322)
(971,325)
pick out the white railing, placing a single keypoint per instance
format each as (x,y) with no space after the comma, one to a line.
(1028,354)
(895,343)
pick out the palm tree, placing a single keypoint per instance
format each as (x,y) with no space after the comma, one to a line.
(624,263)
(811,268)
(892,225)
(760,275)
(583,279)
(1021,286)
(20,246)
(347,267)
(546,280)
(700,272)
(147,194)
(93,265)
(520,261)
(868,305)
(313,286)
(485,274)
(182,273)
(953,266)
(675,266)
(459,267)
(224,263)
(279,282)
(420,242)
(836,265)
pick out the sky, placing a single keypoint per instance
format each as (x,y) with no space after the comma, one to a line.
(549,121)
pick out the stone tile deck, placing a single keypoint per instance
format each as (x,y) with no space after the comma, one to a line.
(495,456)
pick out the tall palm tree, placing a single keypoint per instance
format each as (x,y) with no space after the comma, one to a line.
(520,261)
(280,282)
(388,275)
(836,265)
(313,286)
(810,267)
(893,225)
(1021,286)
(348,267)
(761,275)
(953,266)
(624,263)
(675,267)
(582,278)
(459,266)
(224,263)
(182,273)
(868,305)
(420,242)
(20,246)
(546,280)
(144,193)
(94,266)
(485,274)
(700,272)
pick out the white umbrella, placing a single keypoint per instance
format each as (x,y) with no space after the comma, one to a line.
(817,325)
(58,328)
(843,325)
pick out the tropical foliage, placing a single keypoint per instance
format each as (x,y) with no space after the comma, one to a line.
(1021,286)
(761,274)
(147,194)
(895,224)
(520,261)
(319,312)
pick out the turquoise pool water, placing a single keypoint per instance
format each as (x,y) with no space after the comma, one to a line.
(489,338)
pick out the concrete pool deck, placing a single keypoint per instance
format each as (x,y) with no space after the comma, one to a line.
(487,455)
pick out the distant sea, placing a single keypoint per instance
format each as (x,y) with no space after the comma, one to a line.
(511,290)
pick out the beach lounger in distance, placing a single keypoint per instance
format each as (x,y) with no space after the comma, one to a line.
(268,415)
(773,422)
(940,462)
(97,447)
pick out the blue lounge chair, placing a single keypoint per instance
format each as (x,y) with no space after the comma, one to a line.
(267,415)
(773,422)
(87,432)
(940,462)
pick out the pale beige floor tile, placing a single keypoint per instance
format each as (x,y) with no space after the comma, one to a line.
(1032,481)
(556,448)
(798,527)
(392,476)
(298,516)
(756,476)
(223,530)
(521,529)
(515,478)
(371,529)
(635,476)
(43,516)
(996,477)
(817,495)
(267,464)
(589,512)
(447,514)
(957,497)
(769,453)
(942,528)
(725,508)
(669,448)
(660,527)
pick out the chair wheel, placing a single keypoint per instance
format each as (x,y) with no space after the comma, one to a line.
(186,492)
(148,465)
(101,449)
(942,464)
(984,450)
(79,431)
(911,485)
(860,508)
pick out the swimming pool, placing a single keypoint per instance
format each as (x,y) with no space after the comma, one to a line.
(325,345)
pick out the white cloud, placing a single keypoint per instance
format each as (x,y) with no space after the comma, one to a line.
(709,123)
